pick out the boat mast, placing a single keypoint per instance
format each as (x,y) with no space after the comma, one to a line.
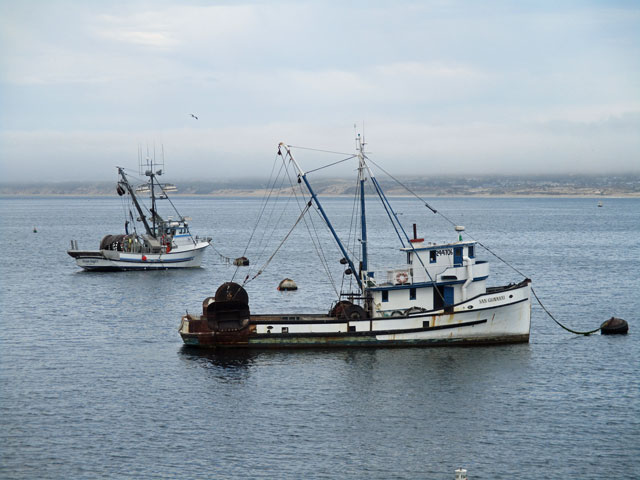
(150,174)
(302,175)
(126,183)
(363,220)
(391,212)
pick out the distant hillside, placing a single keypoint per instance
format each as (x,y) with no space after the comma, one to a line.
(569,185)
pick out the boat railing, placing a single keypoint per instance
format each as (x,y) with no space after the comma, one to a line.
(409,274)
(394,275)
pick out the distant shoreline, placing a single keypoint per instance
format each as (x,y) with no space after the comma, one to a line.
(261,194)
(490,186)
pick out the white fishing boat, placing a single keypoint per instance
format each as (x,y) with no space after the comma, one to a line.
(161,243)
(438,297)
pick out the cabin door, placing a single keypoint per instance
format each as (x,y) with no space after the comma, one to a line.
(442,296)
(448,295)
(457,257)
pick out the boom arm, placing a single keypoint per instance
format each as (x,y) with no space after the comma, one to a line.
(135,201)
(303,176)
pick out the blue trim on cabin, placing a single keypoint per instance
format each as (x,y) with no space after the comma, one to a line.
(424,284)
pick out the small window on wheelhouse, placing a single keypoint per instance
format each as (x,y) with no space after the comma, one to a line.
(432,256)
(412,294)
(471,251)
(385,295)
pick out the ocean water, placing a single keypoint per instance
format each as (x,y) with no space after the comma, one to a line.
(95,381)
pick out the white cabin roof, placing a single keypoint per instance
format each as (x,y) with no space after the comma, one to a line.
(436,246)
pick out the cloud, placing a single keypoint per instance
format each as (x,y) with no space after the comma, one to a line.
(401,147)
(436,83)
(173,27)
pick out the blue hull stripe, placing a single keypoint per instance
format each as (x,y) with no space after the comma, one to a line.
(149,262)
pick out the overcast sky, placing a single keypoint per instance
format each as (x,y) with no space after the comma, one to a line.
(441,86)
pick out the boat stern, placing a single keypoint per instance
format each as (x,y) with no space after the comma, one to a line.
(195,331)
(225,319)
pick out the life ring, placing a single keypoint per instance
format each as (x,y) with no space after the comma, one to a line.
(402,278)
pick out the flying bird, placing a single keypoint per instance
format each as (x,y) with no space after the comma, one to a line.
(193,116)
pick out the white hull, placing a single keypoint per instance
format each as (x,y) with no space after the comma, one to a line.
(183,257)
(506,320)
(491,325)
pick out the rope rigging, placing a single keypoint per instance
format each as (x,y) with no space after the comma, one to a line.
(261,269)
(270,217)
(265,202)
(276,184)
(315,240)
(487,249)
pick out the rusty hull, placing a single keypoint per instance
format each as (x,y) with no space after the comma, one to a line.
(196,332)
(226,322)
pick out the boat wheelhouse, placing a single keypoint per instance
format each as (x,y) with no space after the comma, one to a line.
(437,296)
(435,276)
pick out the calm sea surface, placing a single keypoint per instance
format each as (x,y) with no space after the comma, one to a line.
(95,381)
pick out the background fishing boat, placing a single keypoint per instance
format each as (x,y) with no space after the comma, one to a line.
(161,243)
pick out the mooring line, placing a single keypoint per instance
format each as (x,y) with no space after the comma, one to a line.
(553,318)
(488,250)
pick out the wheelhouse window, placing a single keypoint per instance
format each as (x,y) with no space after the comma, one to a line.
(432,256)
(412,294)
(471,251)
(385,295)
